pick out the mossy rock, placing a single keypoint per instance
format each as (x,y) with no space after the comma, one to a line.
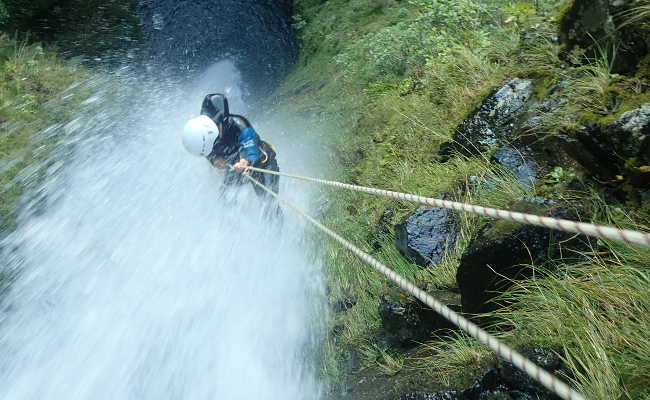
(505,251)
(596,29)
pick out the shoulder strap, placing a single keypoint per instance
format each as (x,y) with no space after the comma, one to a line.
(241,120)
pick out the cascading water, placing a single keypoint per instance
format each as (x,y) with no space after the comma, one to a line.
(141,279)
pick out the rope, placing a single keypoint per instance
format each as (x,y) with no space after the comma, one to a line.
(542,376)
(599,231)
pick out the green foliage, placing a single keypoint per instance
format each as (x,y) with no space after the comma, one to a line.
(407,45)
(30,76)
(558,175)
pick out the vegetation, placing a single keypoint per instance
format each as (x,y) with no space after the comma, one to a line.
(393,79)
(33,73)
(30,76)
(397,79)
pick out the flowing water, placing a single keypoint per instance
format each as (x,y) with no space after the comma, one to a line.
(141,279)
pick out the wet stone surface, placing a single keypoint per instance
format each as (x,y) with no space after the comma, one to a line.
(255,34)
(604,151)
(427,235)
(493,123)
(406,321)
(520,163)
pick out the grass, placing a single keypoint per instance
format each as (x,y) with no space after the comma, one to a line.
(448,361)
(394,104)
(597,314)
(30,76)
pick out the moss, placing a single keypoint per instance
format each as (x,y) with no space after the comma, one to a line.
(631,101)
(643,68)
(645,208)
(563,13)
(501,229)
(596,119)
(544,85)
(619,99)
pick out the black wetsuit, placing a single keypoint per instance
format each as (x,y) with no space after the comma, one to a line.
(239,140)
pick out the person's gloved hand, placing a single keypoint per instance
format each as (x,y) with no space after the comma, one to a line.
(241,165)
(220,163)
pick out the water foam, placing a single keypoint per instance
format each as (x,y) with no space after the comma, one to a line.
(140,282)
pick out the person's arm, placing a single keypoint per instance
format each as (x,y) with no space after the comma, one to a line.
(249,149)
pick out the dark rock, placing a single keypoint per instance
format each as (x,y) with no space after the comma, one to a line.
(631,134)
(509,382)
(447,395)
(520,163)
(493,123)
(344,304)
(604,151)
(589,28)
(407,322)
(587,155)
(194,35)
(517,379)
(490,381)
(494,258)
(505,383)
(584,22)
(427,235)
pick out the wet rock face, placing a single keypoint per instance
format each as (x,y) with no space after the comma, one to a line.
(406,321)
(520,163)
(257,34)
(495,256)
(515,378)
(584,22)
(448,395)
(631,134)
(493,123)
(508,382)
(589,26)
(504,383)
(604,151)
(427,235)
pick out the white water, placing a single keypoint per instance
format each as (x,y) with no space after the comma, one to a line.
(140,282)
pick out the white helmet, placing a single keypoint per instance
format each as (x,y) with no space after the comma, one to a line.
(199,135)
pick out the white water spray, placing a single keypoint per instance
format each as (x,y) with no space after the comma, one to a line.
(140,282)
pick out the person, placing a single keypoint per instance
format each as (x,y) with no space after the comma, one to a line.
(228,139)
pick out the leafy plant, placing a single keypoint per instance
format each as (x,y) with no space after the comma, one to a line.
(431,32)
(558,175)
